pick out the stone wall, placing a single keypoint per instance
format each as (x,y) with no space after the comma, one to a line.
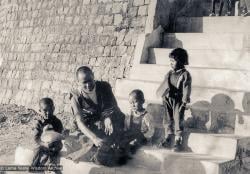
(42,42)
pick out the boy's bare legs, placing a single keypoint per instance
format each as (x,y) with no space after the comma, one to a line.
(229,7)
(221,7)
(213,8)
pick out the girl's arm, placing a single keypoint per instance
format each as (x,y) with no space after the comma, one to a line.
(147,127)
(187,81)
(163,87)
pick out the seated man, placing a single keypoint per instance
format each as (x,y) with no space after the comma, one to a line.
(98,117)
(48,135)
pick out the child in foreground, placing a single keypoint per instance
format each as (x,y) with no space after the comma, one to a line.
(138,127)
(47,134)
(175,91)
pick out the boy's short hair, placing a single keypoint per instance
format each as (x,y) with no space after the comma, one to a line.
(180,55)
(138,94)
(47,101)
(83,69)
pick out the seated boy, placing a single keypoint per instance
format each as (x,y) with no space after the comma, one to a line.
(138,128)
(48,135)
(229,7)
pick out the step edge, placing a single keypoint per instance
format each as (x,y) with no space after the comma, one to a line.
(193,86)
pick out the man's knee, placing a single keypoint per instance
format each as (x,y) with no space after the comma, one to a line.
(56,147)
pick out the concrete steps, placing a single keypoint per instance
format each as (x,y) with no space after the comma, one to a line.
(219,64)
(207,41)
(201,77)
(150,160)
(228,59)
(198,94)
(154,161)
(146,161)
(90,168)
(177,163)
(232,24)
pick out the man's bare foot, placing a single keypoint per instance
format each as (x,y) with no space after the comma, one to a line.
(75,160)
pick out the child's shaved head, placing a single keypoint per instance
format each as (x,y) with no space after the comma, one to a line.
(138,94)
(46,107)
(46,101)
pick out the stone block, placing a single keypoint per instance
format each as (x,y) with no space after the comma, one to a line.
(108,19)
(120,36)
(138,2)
(113,50)
(100,29)
(46,85)
(118,19)
(122,50)
(56,85)
(143,10)
(98,20)
(139,22)
(107,51)
(133,11)
(117,7)
(99,50)
(86,1)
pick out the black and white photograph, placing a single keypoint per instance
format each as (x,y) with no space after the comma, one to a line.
(125,86)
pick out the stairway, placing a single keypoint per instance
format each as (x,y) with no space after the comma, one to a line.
(219,49)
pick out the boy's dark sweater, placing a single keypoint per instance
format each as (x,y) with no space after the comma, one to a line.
(53,121)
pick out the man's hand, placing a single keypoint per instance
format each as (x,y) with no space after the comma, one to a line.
(98,142)
(108,126)
(45,144)
(183,105)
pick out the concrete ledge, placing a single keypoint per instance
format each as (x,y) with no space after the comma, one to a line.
(211,41)
(201,77)
(222,24)
(221,59)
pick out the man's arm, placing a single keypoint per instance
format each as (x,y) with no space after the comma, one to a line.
(109,101)
(163,86)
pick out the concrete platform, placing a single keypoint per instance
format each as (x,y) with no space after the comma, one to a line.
(232,24)
(206,58)
(201,77)
(149,160)
(90,168)
(177,163)
(221,145)
(154,161)
(207,41)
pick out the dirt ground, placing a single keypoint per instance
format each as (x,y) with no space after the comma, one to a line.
(16,128)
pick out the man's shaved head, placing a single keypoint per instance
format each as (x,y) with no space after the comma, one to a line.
(85,78)
(85,70)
